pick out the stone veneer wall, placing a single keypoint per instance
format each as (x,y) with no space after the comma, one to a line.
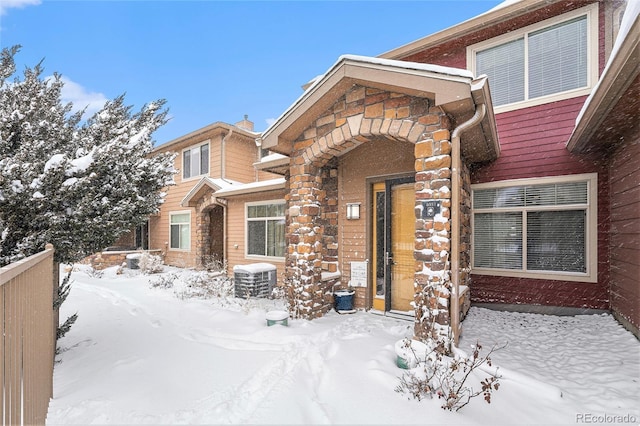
(360,115)
(433,236)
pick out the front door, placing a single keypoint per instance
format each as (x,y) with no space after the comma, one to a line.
(393,244)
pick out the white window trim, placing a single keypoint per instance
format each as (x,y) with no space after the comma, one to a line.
(171,214)
(591,249)
(197,145)
(246,229)
(591,12)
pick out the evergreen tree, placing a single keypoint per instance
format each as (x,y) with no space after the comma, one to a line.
(78,185)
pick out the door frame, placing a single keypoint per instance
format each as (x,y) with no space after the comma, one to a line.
(389,182)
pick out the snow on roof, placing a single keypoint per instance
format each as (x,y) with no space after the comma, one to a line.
(631,14)
(272,157)
(246,188)
(436,69)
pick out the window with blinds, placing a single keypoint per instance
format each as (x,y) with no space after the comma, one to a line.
(541,61)
(266,229)
(535,227)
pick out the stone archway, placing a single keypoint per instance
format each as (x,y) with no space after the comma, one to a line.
(210,233)
(361,114)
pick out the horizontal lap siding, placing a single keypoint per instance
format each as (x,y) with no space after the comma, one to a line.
(625,230)
(235,236)
(533,145)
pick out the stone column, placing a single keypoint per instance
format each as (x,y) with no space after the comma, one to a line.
(433,237)
(304,240)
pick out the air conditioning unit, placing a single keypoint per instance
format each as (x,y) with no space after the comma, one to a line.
(254,280)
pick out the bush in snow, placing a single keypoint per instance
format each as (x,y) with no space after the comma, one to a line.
(205,285)
(150,263)
(78,185)
(447,377)
(63,292)
(164,281)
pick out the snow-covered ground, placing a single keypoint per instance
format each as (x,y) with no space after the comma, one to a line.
(148,355)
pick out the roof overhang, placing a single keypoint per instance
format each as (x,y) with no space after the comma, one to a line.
(614,103)
(252,188)
(501,13)
(212,129)
(200,189)
(274,163)
(452,89)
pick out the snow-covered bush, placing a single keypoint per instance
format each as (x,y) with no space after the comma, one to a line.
(204,285)
(164,281)
(150,263)
(76,184)
(436,374)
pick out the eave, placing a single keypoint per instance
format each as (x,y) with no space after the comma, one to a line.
(454,90)
(614,102)
(204,186)
(477,23)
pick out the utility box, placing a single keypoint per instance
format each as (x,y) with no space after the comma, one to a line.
(254,280)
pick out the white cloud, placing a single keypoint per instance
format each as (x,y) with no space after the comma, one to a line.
(270,121)
(16,4)
(81,97)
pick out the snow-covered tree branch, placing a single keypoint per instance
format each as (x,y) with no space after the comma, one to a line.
(78,185)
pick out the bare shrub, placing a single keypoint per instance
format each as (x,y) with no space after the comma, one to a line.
(447,377)
(150,263)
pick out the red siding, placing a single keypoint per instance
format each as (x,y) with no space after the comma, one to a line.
(533,142)
(625,230)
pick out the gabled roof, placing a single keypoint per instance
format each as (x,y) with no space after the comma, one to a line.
(454,90)
(218,125)
(204,185)
(505,11)
(614,104)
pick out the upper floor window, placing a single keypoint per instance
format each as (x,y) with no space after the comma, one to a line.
(195,161)
(552,60)
(536,228)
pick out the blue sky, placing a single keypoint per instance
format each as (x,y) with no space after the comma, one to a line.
(211,60)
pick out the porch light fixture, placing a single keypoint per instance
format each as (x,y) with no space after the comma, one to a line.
(353,211)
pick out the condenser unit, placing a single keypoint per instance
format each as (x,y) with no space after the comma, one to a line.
(254,280)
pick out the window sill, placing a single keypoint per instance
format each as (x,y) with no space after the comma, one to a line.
(553,276)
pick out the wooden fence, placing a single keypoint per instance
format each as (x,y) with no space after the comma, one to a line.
(27,339)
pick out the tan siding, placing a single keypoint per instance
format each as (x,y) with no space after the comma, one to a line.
(236,230)
(239,158)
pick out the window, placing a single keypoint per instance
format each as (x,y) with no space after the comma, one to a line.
(537,228)
(545,62)
(265,229)
(180,224)
(195,161)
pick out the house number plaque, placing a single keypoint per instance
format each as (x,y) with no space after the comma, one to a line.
(430,209)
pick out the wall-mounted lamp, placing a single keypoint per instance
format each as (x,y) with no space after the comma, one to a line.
(353,210)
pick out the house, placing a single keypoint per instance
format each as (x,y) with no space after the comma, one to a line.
(191,228)
(468,165)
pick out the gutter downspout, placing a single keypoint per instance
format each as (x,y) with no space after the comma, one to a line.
(479,114)
(225,218)
(223,149)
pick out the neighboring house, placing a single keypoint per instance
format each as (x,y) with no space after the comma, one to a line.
(192,225)
(419,181)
